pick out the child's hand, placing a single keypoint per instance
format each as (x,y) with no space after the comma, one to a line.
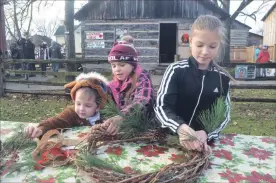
(188,138)
(114,124)
(202,136)
(33,131)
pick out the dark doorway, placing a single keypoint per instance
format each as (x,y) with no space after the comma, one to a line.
(167,44)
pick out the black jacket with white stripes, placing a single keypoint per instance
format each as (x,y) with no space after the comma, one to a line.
(185,91)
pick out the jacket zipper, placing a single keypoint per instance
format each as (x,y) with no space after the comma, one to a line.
(202,86)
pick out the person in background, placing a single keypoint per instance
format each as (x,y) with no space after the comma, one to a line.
(263,58)
(29,53)
(43,55)
(257,52)
(55,53)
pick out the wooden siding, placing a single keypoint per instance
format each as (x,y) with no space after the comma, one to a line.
(270,29)
(148,9)
(238,25)
(239,37)
(254,40)
(146,36)
(146,39)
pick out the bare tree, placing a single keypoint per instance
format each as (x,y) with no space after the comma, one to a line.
(225,5)
(18,13)
(19,16)
(47,28)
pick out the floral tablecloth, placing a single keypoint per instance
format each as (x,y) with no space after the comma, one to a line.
(235,158)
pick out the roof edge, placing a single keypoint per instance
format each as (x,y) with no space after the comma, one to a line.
(269,11)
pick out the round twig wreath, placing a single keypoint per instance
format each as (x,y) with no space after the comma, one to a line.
(185,38)
(187,171)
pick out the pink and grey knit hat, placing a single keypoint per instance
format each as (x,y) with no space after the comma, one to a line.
(123,52)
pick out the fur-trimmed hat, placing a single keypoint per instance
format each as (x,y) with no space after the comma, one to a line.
(93,80)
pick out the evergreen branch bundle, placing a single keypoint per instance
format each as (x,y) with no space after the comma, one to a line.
(29,163)
(134,123)
(17,142)
(110,110)
(211,119)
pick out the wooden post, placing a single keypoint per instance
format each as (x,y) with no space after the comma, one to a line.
(176,57)
(70,38)
(2,47)
(274,53)
(253,56)
(1,76)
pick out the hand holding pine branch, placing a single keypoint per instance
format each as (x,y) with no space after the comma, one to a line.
(188,138)
(131,124)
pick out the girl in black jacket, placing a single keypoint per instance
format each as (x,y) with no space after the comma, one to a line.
(191,86)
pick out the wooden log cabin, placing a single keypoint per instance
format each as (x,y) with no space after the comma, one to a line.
(270,26)
(270,31)
(160,28)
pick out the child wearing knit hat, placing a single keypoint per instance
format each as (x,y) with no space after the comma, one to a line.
(89,93)
(131,84)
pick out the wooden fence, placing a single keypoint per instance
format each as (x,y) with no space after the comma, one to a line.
(238,54)
(4,79)
(272,52)
(247,54)
(8,72)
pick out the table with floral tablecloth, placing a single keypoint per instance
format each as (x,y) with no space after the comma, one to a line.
(235,158)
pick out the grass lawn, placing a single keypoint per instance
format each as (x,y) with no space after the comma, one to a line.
(246,118)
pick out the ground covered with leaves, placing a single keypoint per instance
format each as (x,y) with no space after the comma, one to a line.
(246,118)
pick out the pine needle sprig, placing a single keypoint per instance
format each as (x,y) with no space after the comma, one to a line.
(211,119)
(110,110)
(172,141)
(16,142)
(85,159)
(135,122)
(29,163)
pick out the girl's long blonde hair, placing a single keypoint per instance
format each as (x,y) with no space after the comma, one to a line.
(212,23)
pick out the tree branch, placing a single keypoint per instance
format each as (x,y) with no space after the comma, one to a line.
(38,8)
(15,19)
(45,3)
(7,25)
(240,8)
(252,15)
(30,21)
